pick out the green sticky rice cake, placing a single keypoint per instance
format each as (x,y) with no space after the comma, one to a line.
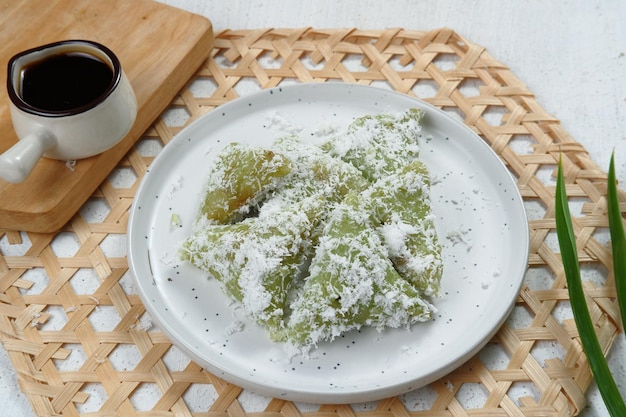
(314,241)
(401,205)
(351,283)
(258,259)
(379,145)
(241,176)
(314,172)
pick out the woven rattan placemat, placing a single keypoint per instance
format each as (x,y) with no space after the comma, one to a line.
(82,344)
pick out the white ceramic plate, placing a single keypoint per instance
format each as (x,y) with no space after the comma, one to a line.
(480,220)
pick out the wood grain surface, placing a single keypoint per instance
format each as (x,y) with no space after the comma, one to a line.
(159,46)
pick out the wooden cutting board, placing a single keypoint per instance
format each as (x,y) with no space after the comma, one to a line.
(160,48)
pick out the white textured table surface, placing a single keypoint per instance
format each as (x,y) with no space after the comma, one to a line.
(571,54)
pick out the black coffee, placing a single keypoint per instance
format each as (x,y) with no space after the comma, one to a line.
(64,82)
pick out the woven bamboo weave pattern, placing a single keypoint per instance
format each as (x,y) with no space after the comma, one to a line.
(82,344)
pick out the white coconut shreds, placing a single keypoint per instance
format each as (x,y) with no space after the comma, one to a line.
(381,144)
(352,283)
(328,238)
(257,259)
(314,172)
(401,204)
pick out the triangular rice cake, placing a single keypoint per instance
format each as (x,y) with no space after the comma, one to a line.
(352,283)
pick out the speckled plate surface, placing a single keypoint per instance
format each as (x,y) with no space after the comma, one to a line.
(481,223)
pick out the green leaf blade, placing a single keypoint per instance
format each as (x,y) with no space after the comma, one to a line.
(586,330)
(618,240)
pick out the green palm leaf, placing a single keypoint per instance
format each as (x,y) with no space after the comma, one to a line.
(618,240)
(597,362)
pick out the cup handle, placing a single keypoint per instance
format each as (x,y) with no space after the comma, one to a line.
(18,161)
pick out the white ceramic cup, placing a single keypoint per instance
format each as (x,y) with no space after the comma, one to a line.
(70,133)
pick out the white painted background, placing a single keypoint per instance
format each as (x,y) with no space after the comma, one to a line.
(570,53)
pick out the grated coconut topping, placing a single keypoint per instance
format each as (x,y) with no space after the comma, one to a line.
(331,239)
